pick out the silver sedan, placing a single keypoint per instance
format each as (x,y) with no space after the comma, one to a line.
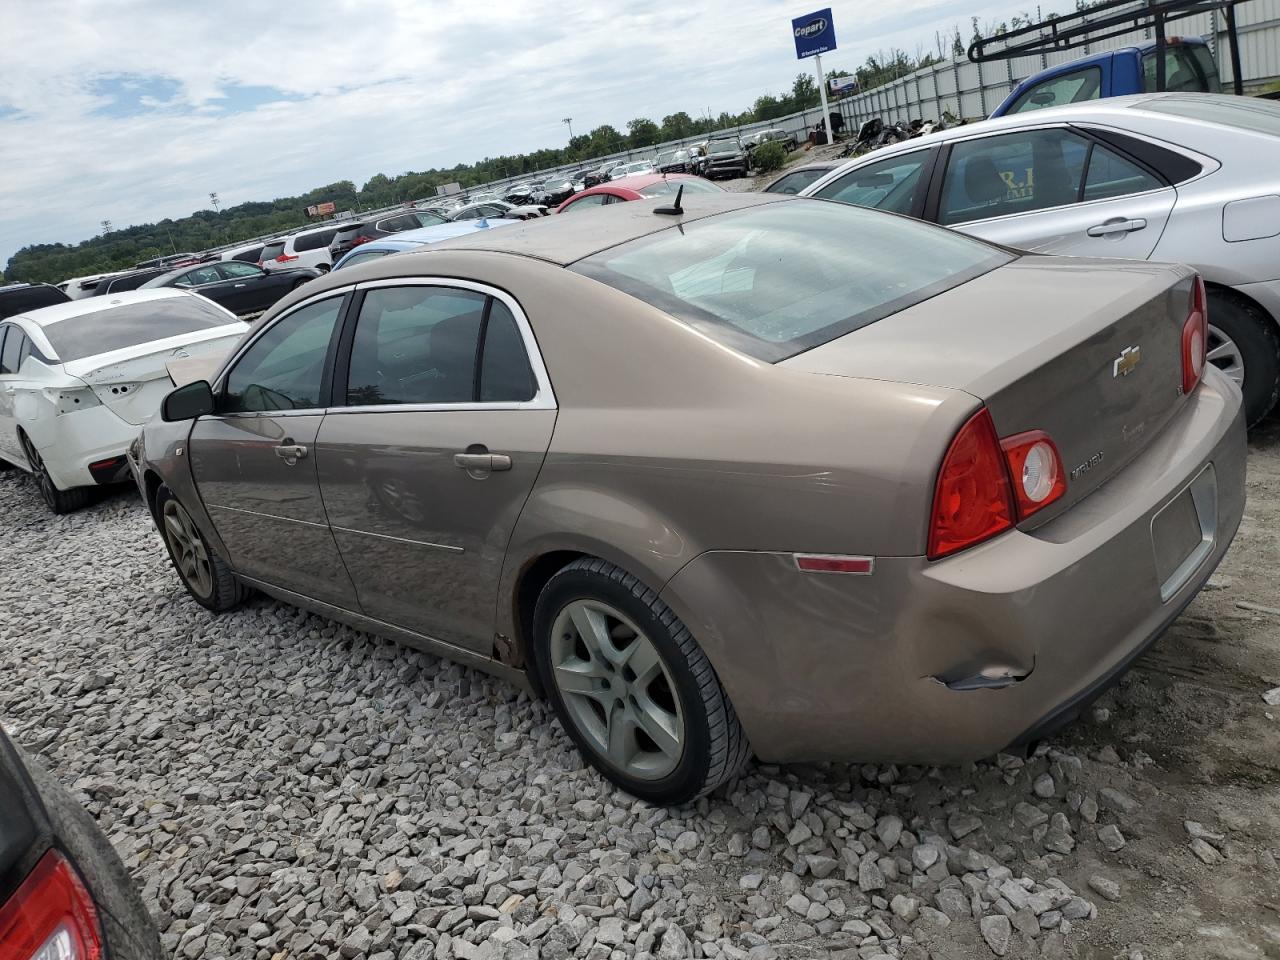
(1186,178)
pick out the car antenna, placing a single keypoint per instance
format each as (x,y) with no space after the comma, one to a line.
(675,209)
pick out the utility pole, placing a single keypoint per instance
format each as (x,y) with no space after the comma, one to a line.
(569,122)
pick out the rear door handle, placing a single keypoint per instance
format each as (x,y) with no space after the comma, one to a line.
(1112,227)
(291,453)
(482,462)
(239,285)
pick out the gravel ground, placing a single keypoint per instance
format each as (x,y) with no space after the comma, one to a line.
(282,787)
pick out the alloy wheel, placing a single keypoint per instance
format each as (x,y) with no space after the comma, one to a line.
(617,689)
(1225,354)
(190,555)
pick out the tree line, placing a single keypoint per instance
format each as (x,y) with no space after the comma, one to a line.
(118,249)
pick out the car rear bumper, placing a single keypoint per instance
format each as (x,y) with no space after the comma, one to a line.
(890,666)
(84,448)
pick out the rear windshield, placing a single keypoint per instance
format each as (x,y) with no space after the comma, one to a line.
(113,328)
(14,302)
(1256,116)
(776,280)
(272,250)
(363,257)
(1188,68)
(666,187)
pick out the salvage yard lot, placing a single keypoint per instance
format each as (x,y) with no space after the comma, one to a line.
(284,787)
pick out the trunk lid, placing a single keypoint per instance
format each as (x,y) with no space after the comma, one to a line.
(133,381)
(1045,343)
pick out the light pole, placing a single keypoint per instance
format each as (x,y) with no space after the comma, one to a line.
(569,122)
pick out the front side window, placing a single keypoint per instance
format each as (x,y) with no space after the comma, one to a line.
(1012,173)
(891,184)
(193,278)
(1074,87)
(239,271)
(775,280)
(284,368)
(587,202)
(793,183)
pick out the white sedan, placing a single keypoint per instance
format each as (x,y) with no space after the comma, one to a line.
(78,380)
(1184,178)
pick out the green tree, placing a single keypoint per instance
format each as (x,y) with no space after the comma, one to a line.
(643,133)
(804,92)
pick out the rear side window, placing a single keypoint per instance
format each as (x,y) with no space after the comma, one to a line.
(1187,69)
(14,302)
(415,345)
(15,348)
(127,325)
(1074,87)
(314,241)
(1111,175)
(505,375)
(778,279)
(1012,173)
(425,219)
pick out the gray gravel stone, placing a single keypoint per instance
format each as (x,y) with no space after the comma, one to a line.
(997,932)
(1104,887)
(1111,838)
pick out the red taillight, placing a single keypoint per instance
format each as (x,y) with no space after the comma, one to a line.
(1195,337)
(359,240)
(51,917)
(972,500)
(1036,469)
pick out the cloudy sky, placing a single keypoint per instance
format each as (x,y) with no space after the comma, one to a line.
(133,110)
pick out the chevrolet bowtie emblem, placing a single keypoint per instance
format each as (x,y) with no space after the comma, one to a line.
(1127,362)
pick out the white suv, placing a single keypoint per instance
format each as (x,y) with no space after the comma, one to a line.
(307,248)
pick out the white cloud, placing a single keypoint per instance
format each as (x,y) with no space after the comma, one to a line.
(387,87)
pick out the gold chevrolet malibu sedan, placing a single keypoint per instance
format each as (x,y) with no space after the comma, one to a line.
(729,475)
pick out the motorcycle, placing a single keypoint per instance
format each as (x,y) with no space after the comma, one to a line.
(868,134)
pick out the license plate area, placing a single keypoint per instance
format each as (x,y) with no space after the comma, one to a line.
(1183,532)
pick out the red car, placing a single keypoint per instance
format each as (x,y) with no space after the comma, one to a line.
(640,187)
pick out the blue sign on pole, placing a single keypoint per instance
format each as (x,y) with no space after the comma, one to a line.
(815,34)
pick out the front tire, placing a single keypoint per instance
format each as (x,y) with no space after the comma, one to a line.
(58,501)
(632,687)
(205,575)
(1244,344)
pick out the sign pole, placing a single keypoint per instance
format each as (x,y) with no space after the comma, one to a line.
(822,92)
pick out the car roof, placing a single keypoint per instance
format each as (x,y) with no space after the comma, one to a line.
(65,311)
(565,240)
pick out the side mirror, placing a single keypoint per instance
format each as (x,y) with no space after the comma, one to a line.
(187,402)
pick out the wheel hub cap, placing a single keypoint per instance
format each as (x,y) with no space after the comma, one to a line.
(617,689)
(189,553)
(1224,353)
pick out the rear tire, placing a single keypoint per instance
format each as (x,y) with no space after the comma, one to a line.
(58,501)
(206,576)
(664,732)
(1251,340)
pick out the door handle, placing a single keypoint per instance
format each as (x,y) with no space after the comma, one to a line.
(1113,227)
(239,285)
(291,452)
(482,463)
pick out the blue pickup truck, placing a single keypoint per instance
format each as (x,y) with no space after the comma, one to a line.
(1189,66)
